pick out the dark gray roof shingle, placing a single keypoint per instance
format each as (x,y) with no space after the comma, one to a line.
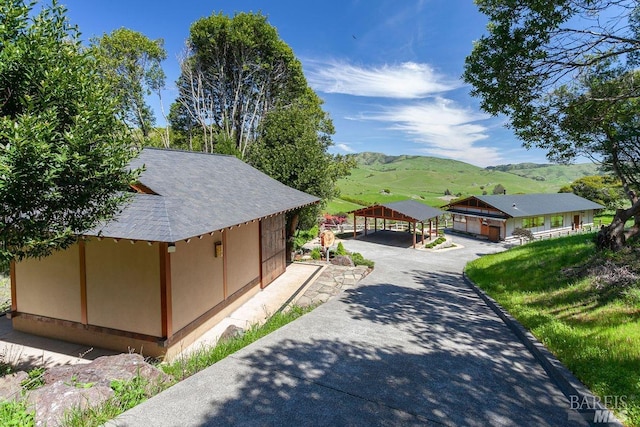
(524,205)
(416,210)
(198,193)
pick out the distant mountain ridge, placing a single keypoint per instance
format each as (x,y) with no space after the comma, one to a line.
(372,158)
(381,178)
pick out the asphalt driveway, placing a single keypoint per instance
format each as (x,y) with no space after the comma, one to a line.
(411,345)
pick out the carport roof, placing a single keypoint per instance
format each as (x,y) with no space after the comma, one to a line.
(405,210)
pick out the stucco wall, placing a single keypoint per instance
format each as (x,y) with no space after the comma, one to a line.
(50,286)
(123,286)
(196,279)
(586,218)
(243,256)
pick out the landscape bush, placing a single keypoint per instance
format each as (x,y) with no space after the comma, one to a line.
(303,236)
(436,242)
(358,259)
(340,250)
(523,233)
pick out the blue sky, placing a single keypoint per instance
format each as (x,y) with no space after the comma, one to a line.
(388,70)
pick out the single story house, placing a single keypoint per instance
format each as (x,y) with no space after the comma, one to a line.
(200,235)
(497,216)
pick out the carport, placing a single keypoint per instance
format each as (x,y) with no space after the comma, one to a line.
(408,211)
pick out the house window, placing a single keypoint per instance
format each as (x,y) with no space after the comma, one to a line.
(557,221)
(533,222)
(460,218)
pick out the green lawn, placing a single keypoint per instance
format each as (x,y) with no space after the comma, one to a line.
(592,327)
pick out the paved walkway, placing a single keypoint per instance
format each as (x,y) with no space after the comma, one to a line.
(412,344)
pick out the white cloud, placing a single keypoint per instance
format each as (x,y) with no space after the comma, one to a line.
(408,80)
(346,148)
(409,99)
(444,129)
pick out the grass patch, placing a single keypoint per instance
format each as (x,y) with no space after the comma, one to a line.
(16,414)
(552,288)
(206,356)
(127,394)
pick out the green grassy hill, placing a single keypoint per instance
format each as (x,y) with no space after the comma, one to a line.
(558,175)
(383,179)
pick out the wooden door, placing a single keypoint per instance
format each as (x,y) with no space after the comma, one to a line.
(494,233)
(273,248)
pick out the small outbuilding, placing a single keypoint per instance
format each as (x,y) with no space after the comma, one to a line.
(408,211)
(497,216)
(200,234)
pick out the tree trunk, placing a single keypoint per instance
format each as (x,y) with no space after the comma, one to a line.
(614,236)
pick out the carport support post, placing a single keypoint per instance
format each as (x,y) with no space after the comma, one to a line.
(354,225)
(414,234)
(366,220)
(430,228)
(422,231)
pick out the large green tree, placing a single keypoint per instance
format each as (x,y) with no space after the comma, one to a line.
(564,73)
(63,151)
(242,92)
(235,71)
(132,63)
(601,189)
(292,148)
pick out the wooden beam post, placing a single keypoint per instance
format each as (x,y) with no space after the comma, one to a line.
(225,292)
(260,252)
(354,225)
(84,319)
(414,234)
(14,293)
(422,231)
(166,312)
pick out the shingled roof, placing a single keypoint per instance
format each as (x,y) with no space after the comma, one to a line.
(526,205)
(195,194)
(410,209)
(416,210)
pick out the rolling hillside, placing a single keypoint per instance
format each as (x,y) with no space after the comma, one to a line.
(383,179)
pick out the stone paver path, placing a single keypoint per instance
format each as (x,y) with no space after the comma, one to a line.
(333,280)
